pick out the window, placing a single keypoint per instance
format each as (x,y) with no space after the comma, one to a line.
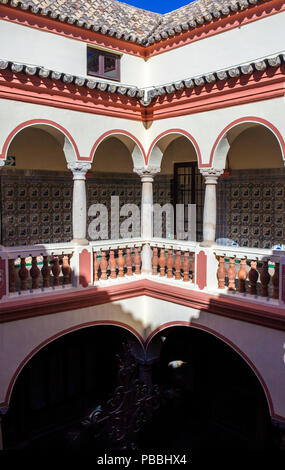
(103,64)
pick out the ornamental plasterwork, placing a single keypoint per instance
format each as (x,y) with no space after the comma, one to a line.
(79,169)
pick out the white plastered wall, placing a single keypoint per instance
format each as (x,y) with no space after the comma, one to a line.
(232,47)
(205,127)
(84,128)
(59,53)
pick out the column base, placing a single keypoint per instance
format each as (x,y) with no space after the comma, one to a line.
(80,241)
(207,243)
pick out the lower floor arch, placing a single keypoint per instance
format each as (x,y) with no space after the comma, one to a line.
(190,391)
(211,397)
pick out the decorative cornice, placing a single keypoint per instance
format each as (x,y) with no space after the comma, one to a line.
(243,310)
(146,95)
(42,72)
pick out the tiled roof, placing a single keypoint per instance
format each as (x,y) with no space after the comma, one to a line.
(130,23)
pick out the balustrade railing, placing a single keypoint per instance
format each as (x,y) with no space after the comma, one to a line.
(173,259)
(249,271)
(48,268)
(38,269)
(116,259)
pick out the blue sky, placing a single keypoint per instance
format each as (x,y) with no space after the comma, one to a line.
(159,6)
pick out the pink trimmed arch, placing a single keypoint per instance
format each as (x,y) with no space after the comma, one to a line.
(182,133)
(250,119)
(115,132)
(58,335)
(34,122)
(229,343)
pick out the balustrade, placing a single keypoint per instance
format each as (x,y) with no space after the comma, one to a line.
(116,262)
(256,277)
(38,272)
(173,262)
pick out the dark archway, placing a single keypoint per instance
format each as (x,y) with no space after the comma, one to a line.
(62,384)
(212,401)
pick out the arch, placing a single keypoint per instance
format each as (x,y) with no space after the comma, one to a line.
(221,145)
(138,153)
(58,335)
(229,343)
(169,132)
(70,148)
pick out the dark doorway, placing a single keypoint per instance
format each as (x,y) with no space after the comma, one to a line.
(61,385)
(189,188)
(212,401)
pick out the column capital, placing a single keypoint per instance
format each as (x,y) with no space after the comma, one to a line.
(147,173)
(211,175)
(79,169)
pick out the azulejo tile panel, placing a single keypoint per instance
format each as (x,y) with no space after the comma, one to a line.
(250,207)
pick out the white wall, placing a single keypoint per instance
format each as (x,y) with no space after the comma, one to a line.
(245,43)
(31,46)
(85,128)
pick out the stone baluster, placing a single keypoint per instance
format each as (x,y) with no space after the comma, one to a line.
(242,275)
(129,262)
(147,175)
(221,273)
(96,265)
(232,274)
(177,265)
(154,261)
(210,205)
(137,261)
(46,272)
(170,264)
(12,275)
(121,262)
(113,265)
(162,262)
(275,280)
(79,211)
(253,276)
(23,274)
(193,267)
(55,271)
(264,279)
(186,266)
(66,270)
(103,266)
(35,273)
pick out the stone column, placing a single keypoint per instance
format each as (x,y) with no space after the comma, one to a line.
(79,210)
(147,176)
(210,205)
